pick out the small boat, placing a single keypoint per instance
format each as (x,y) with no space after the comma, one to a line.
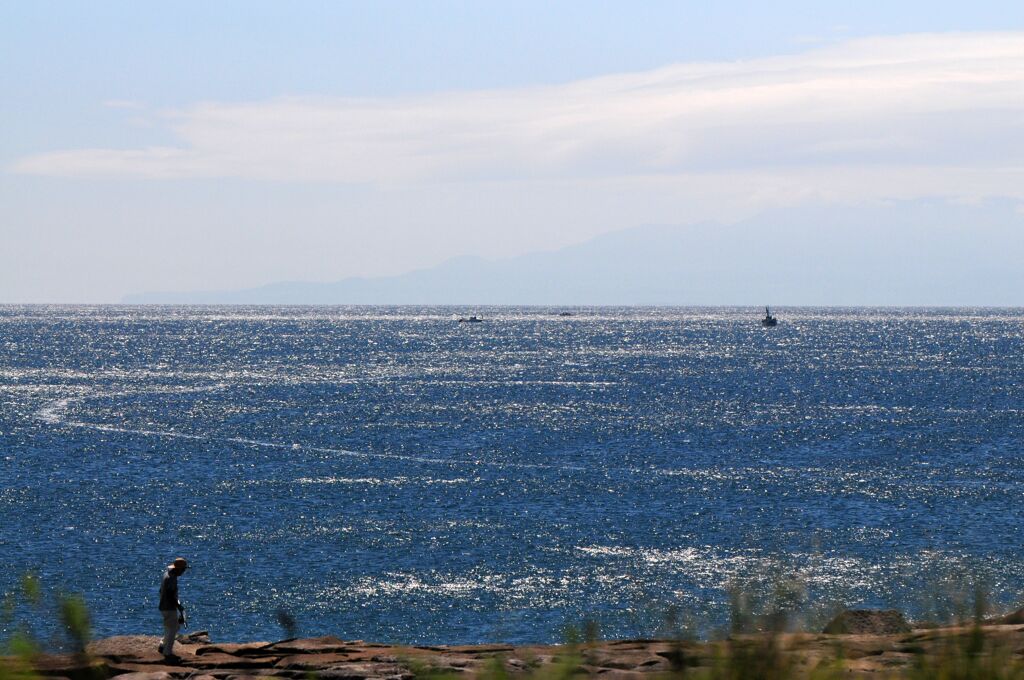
(472,319)
(565,314)
(769,321)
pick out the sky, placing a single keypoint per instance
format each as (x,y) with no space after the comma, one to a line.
(203,146)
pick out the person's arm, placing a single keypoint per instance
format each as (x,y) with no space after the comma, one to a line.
(168,592)
(181,612)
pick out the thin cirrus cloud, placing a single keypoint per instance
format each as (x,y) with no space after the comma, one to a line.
(942,100)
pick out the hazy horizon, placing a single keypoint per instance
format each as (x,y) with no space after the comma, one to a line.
(228,147)
(937,254)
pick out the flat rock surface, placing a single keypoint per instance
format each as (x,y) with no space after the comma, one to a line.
(321,645)
(238,649)
(134,657)
(221,660)
(71,666)
(123,668)
(312,662)
(139,648)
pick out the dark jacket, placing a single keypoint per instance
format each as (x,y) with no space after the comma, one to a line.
(169,592)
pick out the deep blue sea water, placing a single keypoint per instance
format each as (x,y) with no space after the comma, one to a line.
(390,474)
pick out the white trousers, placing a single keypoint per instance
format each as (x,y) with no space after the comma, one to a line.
(170,630)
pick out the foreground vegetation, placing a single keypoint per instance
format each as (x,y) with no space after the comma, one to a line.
(765,646)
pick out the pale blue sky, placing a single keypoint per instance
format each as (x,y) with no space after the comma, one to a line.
(143,146)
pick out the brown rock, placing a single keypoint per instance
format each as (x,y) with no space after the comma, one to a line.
(856,648)
(123,668)
(72,666)
(622,675)
(896,659)
(868,622)
(1015,618)
(860,656)
(216,660)
(651,661)
(364,671)
(478,649)
(454,661)
(678,656)
(311,662)
(624,660)
(199,637)
(633,642)
(126,647)
(516,665)
(136,648)
(585,669)
(321,645)
(237,649)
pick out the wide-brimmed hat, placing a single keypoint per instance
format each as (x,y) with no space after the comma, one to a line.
(178,563)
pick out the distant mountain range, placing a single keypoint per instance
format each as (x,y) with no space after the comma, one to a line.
(903,253)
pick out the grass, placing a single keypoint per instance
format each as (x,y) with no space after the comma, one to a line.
(760,644)
(26,613)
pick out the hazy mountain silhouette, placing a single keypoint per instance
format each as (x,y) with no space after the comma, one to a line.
(904,253)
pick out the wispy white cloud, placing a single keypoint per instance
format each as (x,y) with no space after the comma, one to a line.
(913,103)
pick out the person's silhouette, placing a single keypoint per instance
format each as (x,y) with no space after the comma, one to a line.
(170,608)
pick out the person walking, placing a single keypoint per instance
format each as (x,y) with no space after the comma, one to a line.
(170,608)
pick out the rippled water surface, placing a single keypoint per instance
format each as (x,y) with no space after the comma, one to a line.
(390,474)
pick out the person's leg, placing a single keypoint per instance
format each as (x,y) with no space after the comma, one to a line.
(170,631)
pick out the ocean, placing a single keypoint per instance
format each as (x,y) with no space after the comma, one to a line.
(389,474)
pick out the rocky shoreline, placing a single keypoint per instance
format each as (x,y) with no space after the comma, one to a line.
(893,654)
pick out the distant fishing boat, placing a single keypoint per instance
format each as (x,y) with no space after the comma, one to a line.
(472,319)
(769,321)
